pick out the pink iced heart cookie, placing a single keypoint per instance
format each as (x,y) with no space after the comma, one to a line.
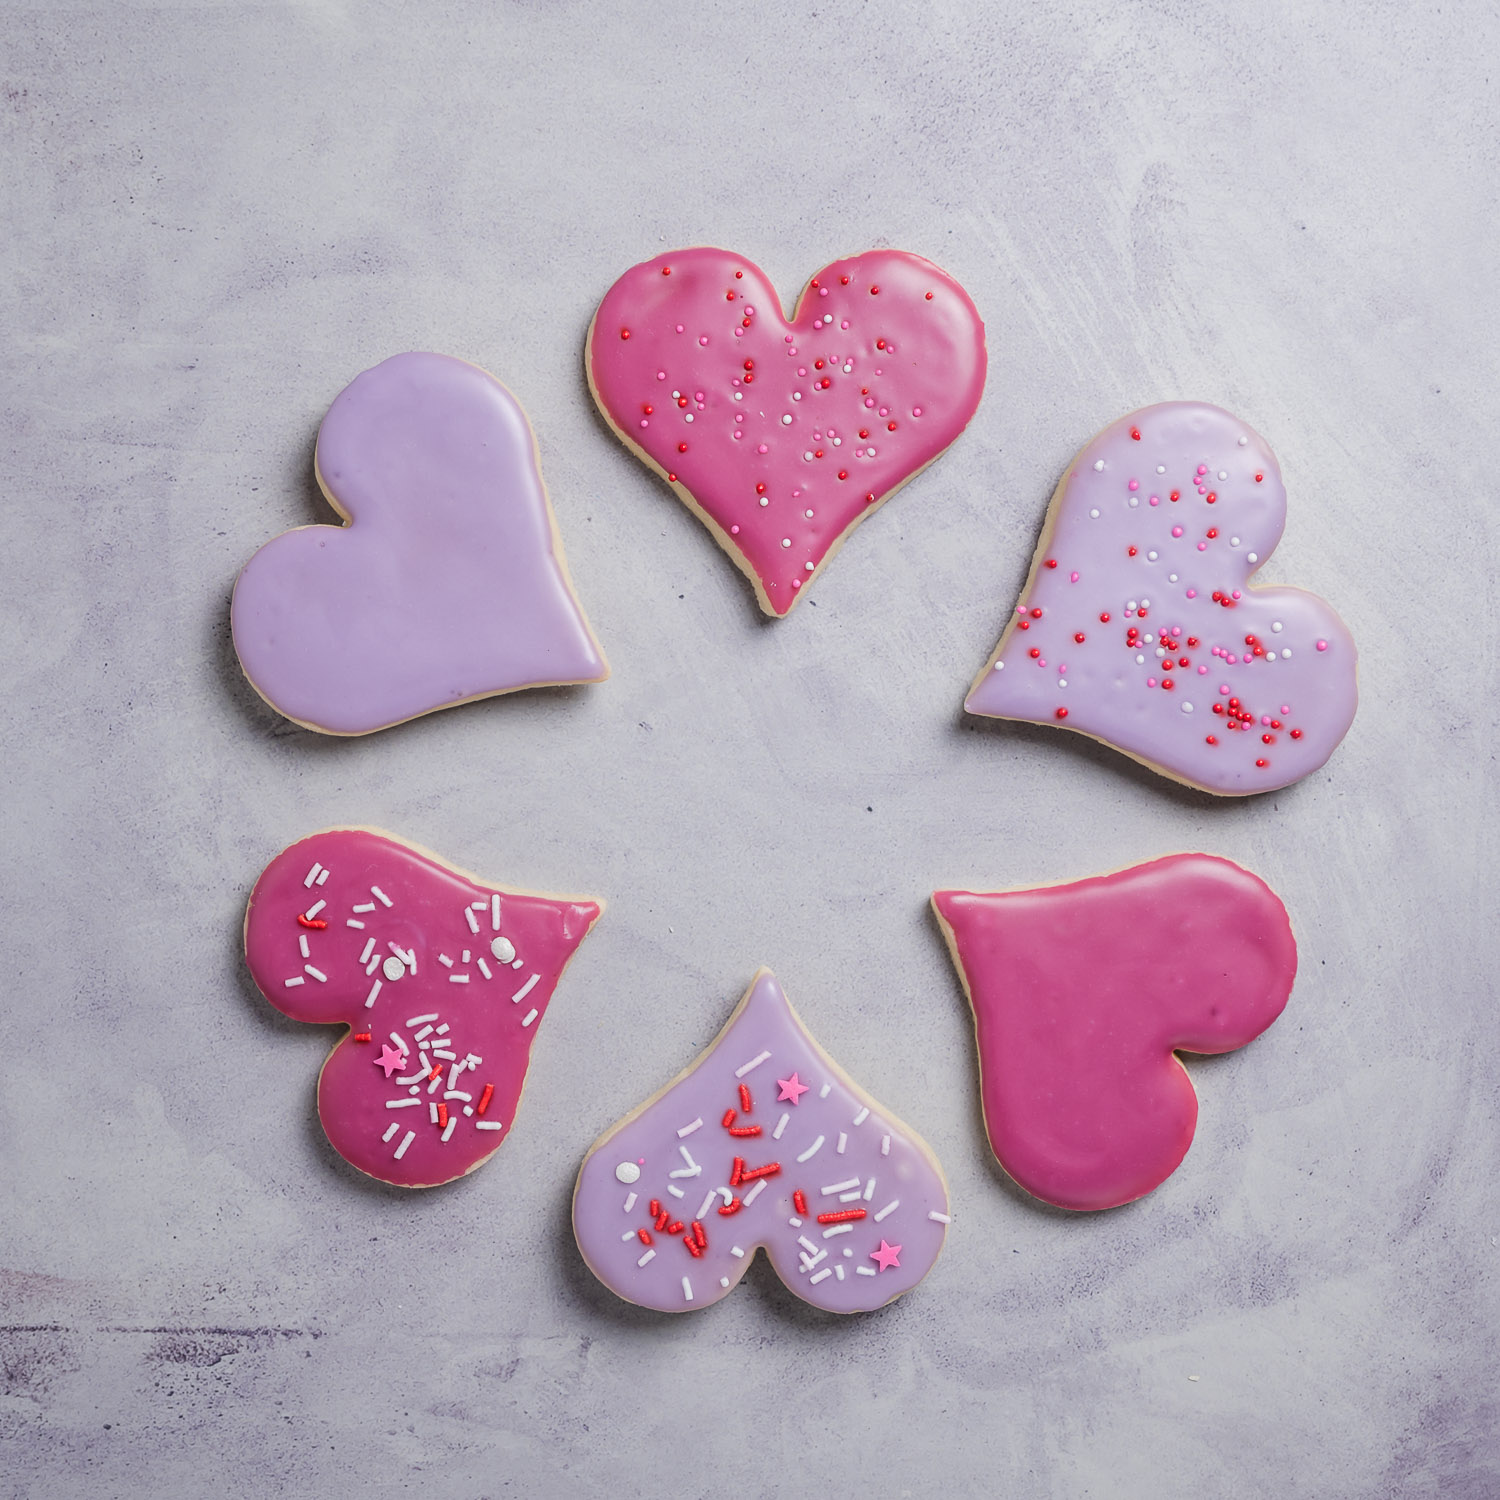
(1138,625)
(764,1143)
(447,582)
(440,978)
(782,437)
(1083,993)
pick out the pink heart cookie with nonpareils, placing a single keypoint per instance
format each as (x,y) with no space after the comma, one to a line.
(1138,624)
(447,582)
(440,979)
(764,1143)
(1084,993)
(782,437)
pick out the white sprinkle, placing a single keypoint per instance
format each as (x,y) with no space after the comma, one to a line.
(865,1270)
(1094,515)
(446,962)
(380,895)
(675,1191)
(370,998)
(727,1196)
(1276,626)
(780,1126)
(484,968)
(323,877)
(1187,708)
(828,1234)
(823,1092)
(628,1235)
(822,1275)
(391,1129)
(401,1042)
(302,944)
(754,1062)
(812,1249)
(432,1114)
(1243,441)
(489,1125)
(443,1053)
(840,1187)
(464,979)
(849,1197)
(869,1191)
(938,1218)
(707,1204)
(1252,557)
(687,1290)
(402,1103)
(843,1141)
(1223,474)
(649,1255)
(630,1200)
(473,925)
(890,1208)
(885,1145)
(862,1116)
(755,1191)
(458,1094)
(350,922)
(431,1015)
(689,1128)
(406,1140)
(1098,465)
(495,912)
(525,989)
(425,1031)
(312,911)
(294,981)
(373,964)
(369,949)
(312,874)
(735,1251)
(723,1281)
(449,1128)
(812,1150)
(627,1172)
(393,968)
(317,974)
(838,1271)
(519,963)
(795,1222)
(1151,556)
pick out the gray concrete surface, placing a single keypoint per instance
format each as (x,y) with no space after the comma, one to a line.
(214,216)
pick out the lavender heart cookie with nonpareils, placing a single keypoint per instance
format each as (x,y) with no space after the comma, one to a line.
(447,581)
(764,1143)
(440,979)
(1138,625)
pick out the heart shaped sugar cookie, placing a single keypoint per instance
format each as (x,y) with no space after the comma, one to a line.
(447,582)
(1138,626)
(441,980)
(1082,995)
(782,437)
(764,1143)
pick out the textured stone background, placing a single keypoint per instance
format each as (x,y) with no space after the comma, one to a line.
(214,216)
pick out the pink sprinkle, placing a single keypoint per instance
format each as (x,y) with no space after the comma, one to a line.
(1266,720)
(739,333)
(844,324)
(788,339)
(802,369)
(1156,499)
(916,411)
(822,291)
(1223,689)
(1020,609)
(703,339)
(1234,593)
(734,531)
(1322,645)
(1202,671)
(679,328)
(885,411)
(1135,484)
(644,422)
(763,449)
(869,401)
(796,583)
(661,374)
(1286,708)
(1203,468)
(1177,531)
(1203,546)
(1041,661)
(1072,578)
(1150,682)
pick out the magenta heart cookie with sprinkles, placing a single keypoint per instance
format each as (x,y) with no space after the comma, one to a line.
(439,979)
(1138,625)
(781,437)
(764,1143)
(1084,993)
(446,584)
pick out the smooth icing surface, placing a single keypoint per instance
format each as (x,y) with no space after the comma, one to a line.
(763,1143)
(1082,992)
(1137,625)
(782,436)
(442,980)
(447,584)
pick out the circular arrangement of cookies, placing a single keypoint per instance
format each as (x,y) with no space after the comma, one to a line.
(1137,625)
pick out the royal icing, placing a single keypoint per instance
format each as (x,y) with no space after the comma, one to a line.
(1137,624)
(1083,993)
(442,980)
(764,1143)
(782,437)
(447,582)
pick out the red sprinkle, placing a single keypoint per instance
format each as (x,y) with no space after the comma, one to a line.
(656,1208)
(675,1227)
(737,1174)
(799,1201)
(844,1216)
(624,333)
(661,1221)
(644,1236)
(694,1247)
(732,1207)
(771,1169)
(746,1102)
(317,924)
(699,1235)
(442,1116)
(1062,713)
(484,1099)
(1135,432)
(1051,562)
(361,1036)
(742,1131)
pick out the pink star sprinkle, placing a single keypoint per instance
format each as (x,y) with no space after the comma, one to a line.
(791,1089)
(887,1256)
(390,1059)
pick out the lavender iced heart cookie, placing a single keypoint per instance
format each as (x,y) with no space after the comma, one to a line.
(1138,626)
(764,1143)
(447,581)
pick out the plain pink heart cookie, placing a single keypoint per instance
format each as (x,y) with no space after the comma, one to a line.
(1138,626)
(782,437)
(764,1143)
(1082,996)
(447,583)
(440,978)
